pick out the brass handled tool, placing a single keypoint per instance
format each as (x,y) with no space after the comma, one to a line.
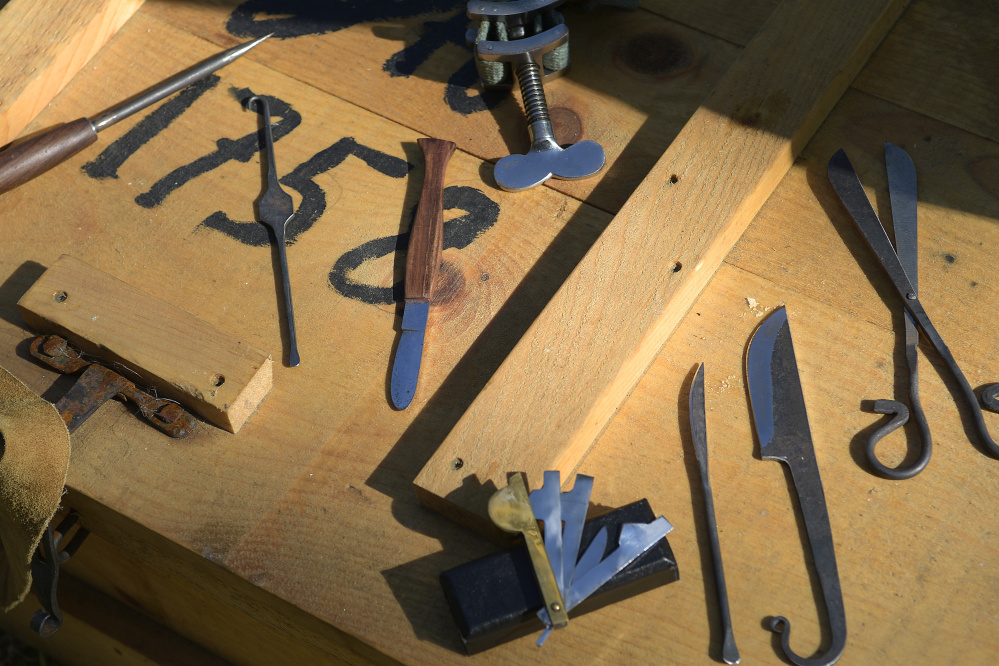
(423,258)
(510,509)
(275,209)
(33,157)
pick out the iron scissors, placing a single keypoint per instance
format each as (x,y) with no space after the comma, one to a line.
(902,271)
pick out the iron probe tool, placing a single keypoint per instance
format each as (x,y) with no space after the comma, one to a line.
(275,209)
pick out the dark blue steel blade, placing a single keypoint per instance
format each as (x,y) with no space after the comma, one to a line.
(409,353)
(902,191)
(775,391)
(782,425)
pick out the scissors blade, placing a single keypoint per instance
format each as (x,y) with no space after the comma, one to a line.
(847,185)
(902,191)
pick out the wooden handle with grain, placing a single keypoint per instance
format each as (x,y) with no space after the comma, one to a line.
(23,161)
(426,237)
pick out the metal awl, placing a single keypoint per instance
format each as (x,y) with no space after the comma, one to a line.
(33,157)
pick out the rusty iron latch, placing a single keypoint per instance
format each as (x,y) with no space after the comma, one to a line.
(95,386)
(45,572)
(98,384)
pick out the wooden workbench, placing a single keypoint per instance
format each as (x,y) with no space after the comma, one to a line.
(301,537)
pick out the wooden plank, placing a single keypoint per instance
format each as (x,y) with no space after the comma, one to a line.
(326,426)
(43,44)
(193,611)
(98,629)
(304,527)
(735,21)
(561,385)
(908,552)
(636,78)
(187,359)
(268,623)
(917,66)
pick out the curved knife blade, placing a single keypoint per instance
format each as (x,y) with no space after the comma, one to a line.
(782,425)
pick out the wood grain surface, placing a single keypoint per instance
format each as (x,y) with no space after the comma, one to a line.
(211,372)
(426,236)
(43,44)
(301,537)
(585,353)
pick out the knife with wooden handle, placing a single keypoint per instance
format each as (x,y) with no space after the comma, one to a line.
(426,244)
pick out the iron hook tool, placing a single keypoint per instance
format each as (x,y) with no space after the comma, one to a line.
(276,208)
(847,185)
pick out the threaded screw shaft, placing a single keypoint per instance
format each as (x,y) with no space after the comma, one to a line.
(535,104)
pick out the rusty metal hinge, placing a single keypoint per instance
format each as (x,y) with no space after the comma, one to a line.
(99,384)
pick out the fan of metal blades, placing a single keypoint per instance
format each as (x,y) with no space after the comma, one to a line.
(565,578)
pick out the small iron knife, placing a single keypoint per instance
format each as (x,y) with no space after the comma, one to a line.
(426,244)
(778,406)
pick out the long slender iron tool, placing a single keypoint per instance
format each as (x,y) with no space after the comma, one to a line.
(699,432)
(782,427)
(423,258)
(847,185)
(276,208)
(31,158)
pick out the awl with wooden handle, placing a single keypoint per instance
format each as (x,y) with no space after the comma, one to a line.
(23,161)
(426,244)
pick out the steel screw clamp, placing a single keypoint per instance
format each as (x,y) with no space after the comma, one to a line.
(526,54)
